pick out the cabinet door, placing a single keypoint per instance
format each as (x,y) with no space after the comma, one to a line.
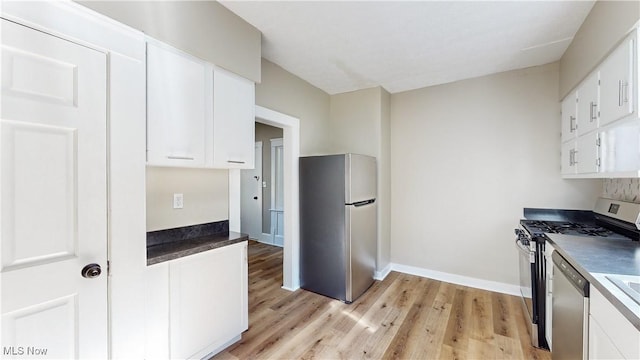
(600,346)
(588,105)
(587,154)
(207,300)
(176,108)
(568,158)
(569,121)
(233,121)
(616,83)
(620,147)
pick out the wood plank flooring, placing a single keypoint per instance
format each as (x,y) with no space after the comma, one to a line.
(402,317)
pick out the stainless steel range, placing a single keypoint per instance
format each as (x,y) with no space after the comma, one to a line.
(610,219)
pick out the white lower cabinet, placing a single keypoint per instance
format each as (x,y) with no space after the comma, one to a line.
(198,304)
(611,335)
(207,301)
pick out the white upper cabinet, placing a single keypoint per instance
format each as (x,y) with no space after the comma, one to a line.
(178,94)
(233,121)
(569,121)
(586,157)
(568,158)
(588,105)
(617,82)
(601,133)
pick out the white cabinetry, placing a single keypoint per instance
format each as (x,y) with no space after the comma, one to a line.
(611,335)
(568,158)
(198,115)
(587,119)
(587,156)
(617,84)
(569,120)
(601,133)
(208,300)
(233,121)
(178,97)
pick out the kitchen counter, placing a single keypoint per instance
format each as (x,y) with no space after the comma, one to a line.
(595,258)
(180,248)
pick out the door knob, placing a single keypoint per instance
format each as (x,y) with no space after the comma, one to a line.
(255,198)
(91,271)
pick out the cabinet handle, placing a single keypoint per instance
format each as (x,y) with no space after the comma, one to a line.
(598,162)
(235,162)
(572,157)
(572,123)
(625,92)
(172,157)
(619,92)
(592,111)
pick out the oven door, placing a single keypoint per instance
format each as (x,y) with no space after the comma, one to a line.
(527,263)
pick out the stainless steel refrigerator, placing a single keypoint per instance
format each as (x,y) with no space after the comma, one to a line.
(338,224)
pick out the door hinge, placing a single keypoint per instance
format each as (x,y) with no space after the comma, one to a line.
(598,162)
(108,267)
(597,141)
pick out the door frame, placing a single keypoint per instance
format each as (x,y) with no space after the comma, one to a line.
(291,138)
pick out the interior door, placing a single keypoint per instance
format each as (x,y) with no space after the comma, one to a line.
(53,196)
(251,193)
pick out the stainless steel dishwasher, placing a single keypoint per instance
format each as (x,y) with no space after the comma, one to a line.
(570,324)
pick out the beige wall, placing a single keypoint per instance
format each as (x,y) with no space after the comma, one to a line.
(284,92)
(360,123)
(265,133)
(206,197)
(606,24)
(204,29)
(466,157)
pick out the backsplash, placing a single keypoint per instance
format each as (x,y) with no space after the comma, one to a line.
(622,189)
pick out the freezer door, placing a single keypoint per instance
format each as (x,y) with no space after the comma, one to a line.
(361,174)
(361,233)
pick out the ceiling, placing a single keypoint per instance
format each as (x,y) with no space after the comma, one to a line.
(344,46)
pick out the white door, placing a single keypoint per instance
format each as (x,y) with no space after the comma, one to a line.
(53,196)
(251,193)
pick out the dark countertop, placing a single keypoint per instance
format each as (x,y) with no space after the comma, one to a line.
(177,249)
(596,257)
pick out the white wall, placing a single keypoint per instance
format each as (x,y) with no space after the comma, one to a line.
(360,123)
(206,196)
(205,29)
(606,24)
(286,93)
(466,157)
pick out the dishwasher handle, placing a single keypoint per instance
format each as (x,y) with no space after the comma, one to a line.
(573,276)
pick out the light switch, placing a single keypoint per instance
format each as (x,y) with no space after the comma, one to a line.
(178,201)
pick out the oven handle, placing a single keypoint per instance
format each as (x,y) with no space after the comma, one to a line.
(526,251)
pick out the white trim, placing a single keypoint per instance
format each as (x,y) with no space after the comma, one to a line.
(291,135)
(265,239)
(381,275)
(219,348)
(459,279)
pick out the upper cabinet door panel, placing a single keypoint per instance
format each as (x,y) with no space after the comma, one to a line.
(616,84)
(569,121)
(233,121)
(177,96)
(588,104)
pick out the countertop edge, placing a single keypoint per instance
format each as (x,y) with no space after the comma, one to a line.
(633,318)
(215,243)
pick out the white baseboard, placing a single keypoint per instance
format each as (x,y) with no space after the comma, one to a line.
(458,279)
(380,275)
(215,349)
(289,289)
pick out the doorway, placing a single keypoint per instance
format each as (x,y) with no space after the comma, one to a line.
(291,152)
(251,207)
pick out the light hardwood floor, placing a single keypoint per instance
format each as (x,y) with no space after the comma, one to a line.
(402,317)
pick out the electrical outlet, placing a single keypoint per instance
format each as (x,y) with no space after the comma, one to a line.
(178,201)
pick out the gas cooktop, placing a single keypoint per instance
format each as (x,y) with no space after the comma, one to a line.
(538,228)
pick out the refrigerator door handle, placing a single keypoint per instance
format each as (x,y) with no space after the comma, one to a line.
(363,203)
